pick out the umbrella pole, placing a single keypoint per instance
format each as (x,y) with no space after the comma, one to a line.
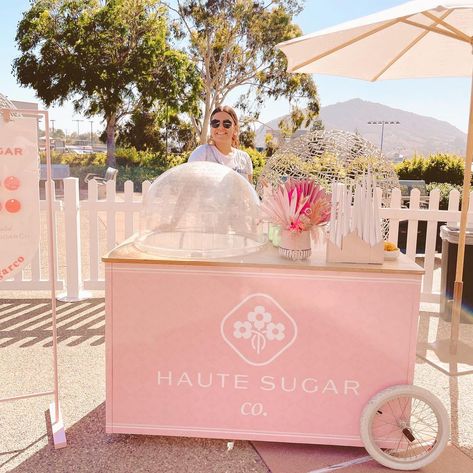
(458,286)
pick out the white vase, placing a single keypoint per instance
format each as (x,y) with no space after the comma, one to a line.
(295,245)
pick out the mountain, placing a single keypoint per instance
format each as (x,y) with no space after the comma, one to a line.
(414,133)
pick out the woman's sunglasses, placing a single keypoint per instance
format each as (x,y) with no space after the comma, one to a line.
(216,123)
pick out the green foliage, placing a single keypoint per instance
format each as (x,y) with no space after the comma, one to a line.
(147,159)
(133,165)
(130,157)
(379,167)
(174,159)
(289,164)
(317,125)
(126,157)
(270,145)
(444,168)
(138,166)
(247,138)
(436,168)
(184,134)
(411,168)
(92,159)
(142,131)
(327,161)
(136,174)
(73,159)
(58,134)
(152,130)
(55,157)
(107,57)
(233,44)
(258,159)
(445,189)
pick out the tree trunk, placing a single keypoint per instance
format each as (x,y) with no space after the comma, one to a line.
(209,107)
(205,125)
(111,122)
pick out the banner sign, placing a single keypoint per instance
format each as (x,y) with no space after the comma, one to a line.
(19,193)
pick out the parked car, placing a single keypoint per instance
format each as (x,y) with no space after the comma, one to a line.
(78,149)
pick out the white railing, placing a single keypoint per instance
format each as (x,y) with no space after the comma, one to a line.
(87,229)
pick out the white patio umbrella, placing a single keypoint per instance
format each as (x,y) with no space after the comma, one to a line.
(421,38)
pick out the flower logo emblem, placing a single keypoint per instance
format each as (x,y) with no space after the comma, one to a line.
(258,329)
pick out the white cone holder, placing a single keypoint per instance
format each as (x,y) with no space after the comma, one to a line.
(355,224)
(355,250)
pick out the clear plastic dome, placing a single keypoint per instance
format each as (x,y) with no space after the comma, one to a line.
(200,210)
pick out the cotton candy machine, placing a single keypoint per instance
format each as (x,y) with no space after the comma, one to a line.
(200,210)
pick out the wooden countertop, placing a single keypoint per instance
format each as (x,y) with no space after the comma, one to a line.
(267,257)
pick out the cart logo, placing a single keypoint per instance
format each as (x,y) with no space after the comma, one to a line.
(258,329)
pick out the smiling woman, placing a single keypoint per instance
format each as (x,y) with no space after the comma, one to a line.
(222,147)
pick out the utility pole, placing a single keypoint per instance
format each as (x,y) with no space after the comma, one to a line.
(78,123)
(91,131)
(382,123)
(52,125)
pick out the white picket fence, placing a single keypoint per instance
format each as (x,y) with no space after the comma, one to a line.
(87,229)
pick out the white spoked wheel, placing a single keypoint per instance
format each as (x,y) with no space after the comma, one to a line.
(405,427)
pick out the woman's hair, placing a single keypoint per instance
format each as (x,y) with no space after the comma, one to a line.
(232,113)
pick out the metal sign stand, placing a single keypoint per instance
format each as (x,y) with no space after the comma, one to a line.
(57,424)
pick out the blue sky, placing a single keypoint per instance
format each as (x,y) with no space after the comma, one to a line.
(445,99)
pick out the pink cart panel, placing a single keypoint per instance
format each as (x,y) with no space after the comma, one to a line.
(287,352)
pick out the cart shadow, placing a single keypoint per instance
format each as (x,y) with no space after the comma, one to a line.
(433,345)
(26,323)
(90,448)
(454,373)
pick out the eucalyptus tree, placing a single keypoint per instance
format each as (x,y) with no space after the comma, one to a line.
(233,45)
(109,57)
(157,130)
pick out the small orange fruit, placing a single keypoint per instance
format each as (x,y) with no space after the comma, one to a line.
(389,246)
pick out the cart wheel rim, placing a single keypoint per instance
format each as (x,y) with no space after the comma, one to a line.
(405,427)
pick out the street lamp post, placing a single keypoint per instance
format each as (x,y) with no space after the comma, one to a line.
(382,123)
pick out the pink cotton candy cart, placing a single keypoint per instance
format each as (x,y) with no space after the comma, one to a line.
(210,333)
(259,348)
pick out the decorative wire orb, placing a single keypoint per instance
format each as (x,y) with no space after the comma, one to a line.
(328,156)
(6,103)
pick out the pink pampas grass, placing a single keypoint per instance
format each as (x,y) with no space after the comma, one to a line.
(297,205)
